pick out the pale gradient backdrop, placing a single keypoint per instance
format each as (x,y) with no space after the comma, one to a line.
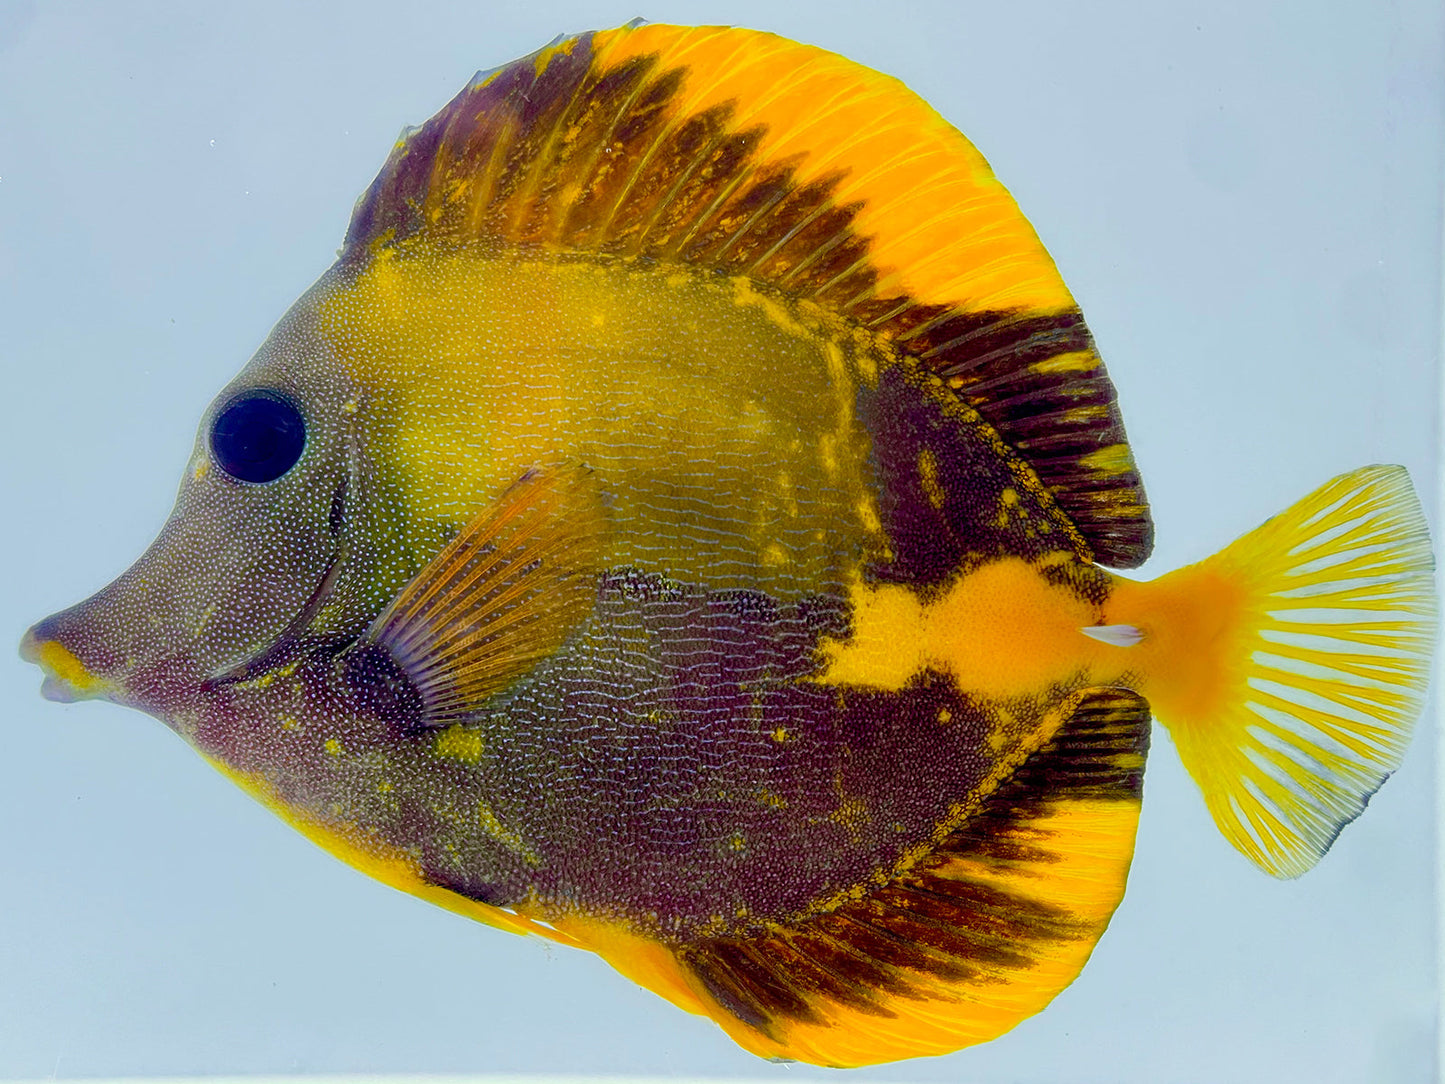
(1245,198)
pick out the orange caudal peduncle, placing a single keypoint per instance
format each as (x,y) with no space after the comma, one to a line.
(1185,617)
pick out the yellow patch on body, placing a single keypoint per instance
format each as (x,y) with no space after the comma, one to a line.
(459,743)
(1001,630)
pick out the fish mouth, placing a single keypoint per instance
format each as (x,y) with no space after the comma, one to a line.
(66,678)
(282,645)
(69,678)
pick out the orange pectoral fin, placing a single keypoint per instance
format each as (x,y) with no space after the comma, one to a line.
(502,596)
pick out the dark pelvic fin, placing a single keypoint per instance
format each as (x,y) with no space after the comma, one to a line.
(976,937)
(502,596)
(749,155)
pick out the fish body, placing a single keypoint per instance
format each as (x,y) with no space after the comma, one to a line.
(697,554)
(726,496)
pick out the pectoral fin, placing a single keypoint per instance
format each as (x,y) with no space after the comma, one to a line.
(501,597)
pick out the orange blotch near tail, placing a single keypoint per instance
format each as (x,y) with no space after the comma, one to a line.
(1001,630)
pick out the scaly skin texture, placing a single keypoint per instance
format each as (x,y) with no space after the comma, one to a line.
(807,654)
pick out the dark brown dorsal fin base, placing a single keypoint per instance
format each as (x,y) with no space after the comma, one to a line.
(750,155)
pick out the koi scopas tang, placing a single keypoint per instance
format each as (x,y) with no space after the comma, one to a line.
(677,527)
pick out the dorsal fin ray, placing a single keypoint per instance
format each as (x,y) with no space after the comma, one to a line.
(747,154)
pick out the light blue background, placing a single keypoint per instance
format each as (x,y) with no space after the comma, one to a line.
(1245,200)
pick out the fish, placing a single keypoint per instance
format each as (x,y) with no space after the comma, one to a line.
(681,526)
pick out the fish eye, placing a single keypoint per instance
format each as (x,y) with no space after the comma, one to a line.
(258,436)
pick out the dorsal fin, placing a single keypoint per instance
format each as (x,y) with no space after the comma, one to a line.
(747,154)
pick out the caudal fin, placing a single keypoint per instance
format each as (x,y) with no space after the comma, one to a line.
(1290,667)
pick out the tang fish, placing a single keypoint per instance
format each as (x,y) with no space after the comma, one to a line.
(681,525)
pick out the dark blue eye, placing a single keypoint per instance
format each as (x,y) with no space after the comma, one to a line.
(258,437)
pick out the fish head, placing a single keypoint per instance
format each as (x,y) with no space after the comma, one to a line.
(261,549)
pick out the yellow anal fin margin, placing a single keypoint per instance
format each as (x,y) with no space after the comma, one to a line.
(977,937)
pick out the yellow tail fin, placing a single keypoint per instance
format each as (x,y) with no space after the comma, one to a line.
(1290,667)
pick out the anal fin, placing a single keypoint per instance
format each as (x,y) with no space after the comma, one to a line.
(981,934)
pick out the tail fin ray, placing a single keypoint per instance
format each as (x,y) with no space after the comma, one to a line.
(1300,701)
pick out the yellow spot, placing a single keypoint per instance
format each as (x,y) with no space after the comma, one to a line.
(504,835)
(851,814)
(268,678)
(945,716)
(1108,461)
(349,407)
(385,787)
(598,319)
(867,514)
(745,295)
(1008,505)
(928,477)
(780,735)
(1082,361)
(771,800)
(828,455)
(333,747)
(203,468)
(288,722)
(736,842)
(774,555)
(864,361)
(459,743)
